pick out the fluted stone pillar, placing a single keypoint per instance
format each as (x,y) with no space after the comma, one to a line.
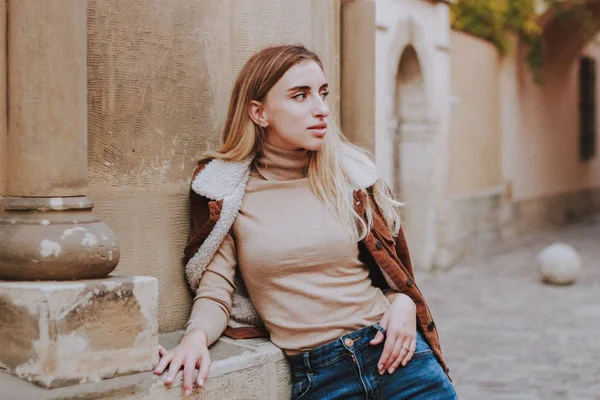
(47,229)
(358,72)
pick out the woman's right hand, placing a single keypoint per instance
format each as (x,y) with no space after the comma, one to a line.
(192,352)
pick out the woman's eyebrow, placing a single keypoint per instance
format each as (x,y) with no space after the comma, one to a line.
(307,88)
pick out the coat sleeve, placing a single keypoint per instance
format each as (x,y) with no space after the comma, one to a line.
(213,301)
(401,246)
(403,253)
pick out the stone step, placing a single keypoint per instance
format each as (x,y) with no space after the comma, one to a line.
(240,370)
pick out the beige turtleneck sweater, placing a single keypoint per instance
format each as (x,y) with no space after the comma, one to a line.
(299,264)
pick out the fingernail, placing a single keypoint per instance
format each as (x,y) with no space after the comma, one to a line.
(188,392)
(201,382)
(380,366)
(391,370)
(168,379)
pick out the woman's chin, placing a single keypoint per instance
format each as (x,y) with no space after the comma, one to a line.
(315,145)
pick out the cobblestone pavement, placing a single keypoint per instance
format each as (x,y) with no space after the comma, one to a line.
(507,336)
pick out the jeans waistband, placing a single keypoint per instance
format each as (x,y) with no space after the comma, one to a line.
(330,352)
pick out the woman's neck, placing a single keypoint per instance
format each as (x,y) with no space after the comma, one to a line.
(276,164)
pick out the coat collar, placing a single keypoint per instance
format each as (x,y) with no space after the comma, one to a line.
(220,178)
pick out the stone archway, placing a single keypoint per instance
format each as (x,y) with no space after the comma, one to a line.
(414,159)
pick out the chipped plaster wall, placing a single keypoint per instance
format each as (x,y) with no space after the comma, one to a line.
(159,77)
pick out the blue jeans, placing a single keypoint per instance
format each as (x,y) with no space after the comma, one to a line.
(347,369)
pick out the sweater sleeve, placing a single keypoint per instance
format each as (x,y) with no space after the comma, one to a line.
(212,304)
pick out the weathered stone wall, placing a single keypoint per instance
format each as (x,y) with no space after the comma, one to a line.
(159,79)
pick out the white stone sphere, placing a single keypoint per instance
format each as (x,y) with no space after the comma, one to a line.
(559,264)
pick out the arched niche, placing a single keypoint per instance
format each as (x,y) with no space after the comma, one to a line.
(414,158)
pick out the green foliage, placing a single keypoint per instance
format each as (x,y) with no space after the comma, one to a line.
(492,20)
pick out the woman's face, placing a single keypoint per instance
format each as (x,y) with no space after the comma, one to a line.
(294,111)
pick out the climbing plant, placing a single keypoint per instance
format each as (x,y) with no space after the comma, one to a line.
(492,20)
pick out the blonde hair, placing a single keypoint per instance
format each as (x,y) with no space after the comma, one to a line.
(243,138)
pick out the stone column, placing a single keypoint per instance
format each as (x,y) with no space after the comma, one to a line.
(47,229)
(71,331)
(358,72)
(3,116)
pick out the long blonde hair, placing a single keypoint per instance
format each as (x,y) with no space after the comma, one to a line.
(242,138)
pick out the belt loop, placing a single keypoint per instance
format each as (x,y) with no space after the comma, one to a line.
(379,328)
(306,357)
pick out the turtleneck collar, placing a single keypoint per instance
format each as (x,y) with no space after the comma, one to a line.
(276,164)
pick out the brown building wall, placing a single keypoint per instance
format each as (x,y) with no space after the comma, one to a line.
(159,79)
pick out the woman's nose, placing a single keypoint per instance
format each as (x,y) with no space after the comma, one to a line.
(321,109)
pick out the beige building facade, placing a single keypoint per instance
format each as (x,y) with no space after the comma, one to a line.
(476,149)
(516,144)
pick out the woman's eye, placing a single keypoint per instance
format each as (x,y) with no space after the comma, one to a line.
(324,95)
(300,96)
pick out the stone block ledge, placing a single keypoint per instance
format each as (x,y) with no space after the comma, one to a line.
(57,334)
(240,370)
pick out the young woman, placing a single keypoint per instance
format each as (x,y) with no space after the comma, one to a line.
(293,234)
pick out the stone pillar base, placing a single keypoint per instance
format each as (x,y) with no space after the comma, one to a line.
(63,333)
(56,238)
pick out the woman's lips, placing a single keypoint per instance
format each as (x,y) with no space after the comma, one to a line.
(319,129)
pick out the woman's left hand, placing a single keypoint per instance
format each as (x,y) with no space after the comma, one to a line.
(400,323)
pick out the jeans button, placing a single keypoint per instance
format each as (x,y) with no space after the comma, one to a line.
(348,342)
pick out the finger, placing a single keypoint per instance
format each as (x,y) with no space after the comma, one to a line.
(173,369)
(386,353)
(164,361)
(405,349)
(377,339)
(411,352)
(189,366)
(203,370)
(395,354)
(384,321)
(161,350)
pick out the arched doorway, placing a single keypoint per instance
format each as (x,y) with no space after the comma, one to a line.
(414,157)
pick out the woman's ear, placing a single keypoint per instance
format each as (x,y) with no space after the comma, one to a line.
(257,113)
